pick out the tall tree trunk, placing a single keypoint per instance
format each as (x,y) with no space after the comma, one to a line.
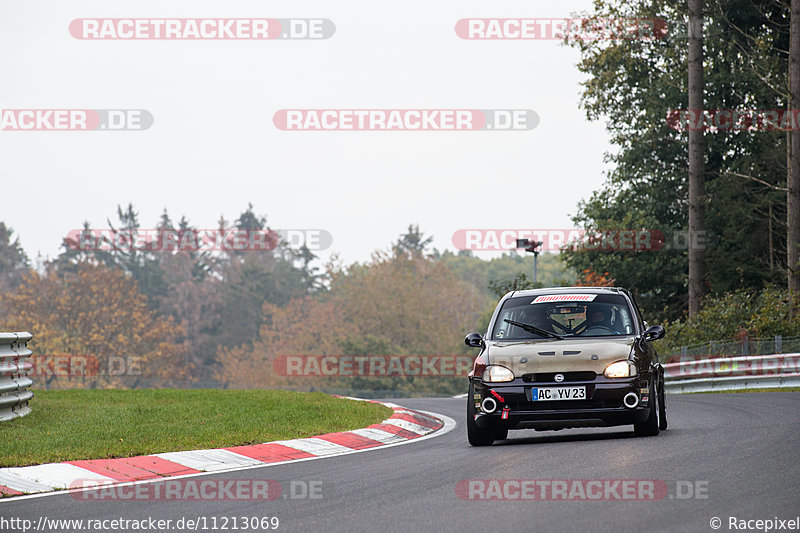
(771,247)
(793,178)
(697,188)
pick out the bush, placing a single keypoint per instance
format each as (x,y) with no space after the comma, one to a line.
(735,315)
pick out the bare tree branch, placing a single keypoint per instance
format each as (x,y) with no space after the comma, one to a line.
(771,186)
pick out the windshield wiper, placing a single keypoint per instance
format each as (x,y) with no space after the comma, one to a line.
(534,329)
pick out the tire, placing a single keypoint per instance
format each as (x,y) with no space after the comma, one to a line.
(500,434)
(663,404)
(475,435)
(649,428)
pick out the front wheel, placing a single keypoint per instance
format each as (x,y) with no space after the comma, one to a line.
(649,428)
(475,435)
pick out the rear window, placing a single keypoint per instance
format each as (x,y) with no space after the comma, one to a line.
(566,315)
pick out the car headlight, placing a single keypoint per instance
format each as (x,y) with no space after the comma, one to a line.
(497,373)
(620,369)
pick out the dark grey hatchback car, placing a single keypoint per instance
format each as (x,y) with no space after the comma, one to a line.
(565,357)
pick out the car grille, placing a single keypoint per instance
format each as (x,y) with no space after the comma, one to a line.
(549,377)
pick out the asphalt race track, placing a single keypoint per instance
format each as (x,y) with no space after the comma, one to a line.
(739,451)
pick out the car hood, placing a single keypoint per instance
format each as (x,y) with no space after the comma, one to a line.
(568,355)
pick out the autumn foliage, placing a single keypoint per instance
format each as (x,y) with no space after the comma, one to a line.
(137,317)
(589,278)
(98,312)
(408,305)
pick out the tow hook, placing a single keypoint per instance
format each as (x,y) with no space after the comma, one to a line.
(504,415)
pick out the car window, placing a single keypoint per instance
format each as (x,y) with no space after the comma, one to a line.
(574,315)
(637,313)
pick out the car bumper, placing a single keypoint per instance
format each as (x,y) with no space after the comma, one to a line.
(603,405)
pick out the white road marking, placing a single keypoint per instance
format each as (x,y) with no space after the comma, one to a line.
(417,414)
(22,484)
(209,460)
(52,476)
(410,426)
(314,446)
(379,435)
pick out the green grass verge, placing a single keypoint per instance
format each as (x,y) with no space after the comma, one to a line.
(99,424)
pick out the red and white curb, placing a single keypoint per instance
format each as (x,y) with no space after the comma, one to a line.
(404,426)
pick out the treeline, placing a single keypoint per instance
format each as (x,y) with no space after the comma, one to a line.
(103,300)
(221,317)
(634,85)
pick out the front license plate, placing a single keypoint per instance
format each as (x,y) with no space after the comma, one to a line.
(540,394)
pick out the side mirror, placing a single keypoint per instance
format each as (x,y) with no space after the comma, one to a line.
(653,333)
(474,340)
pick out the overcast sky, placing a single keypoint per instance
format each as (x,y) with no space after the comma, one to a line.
(213,147)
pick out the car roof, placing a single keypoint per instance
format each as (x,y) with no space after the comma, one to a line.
(579,290)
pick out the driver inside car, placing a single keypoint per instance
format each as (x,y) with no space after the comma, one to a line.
(536,315)
(599,316)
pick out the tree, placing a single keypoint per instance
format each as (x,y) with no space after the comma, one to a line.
(215,290)
(125,247)
(412,243)
(593,279)
(407,305)
(415,303)
(195,304)
(636,84)
(520,283)
(13,260)
(96,311)
(552,272)
(308,325)
(697,225)
(253,278)
(793,185)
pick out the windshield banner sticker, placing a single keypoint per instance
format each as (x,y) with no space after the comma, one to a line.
(565,298)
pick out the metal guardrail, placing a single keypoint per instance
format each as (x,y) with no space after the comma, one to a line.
(14,370)
(746,345)
(733,373)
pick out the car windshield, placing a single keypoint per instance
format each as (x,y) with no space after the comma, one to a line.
(563,315)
